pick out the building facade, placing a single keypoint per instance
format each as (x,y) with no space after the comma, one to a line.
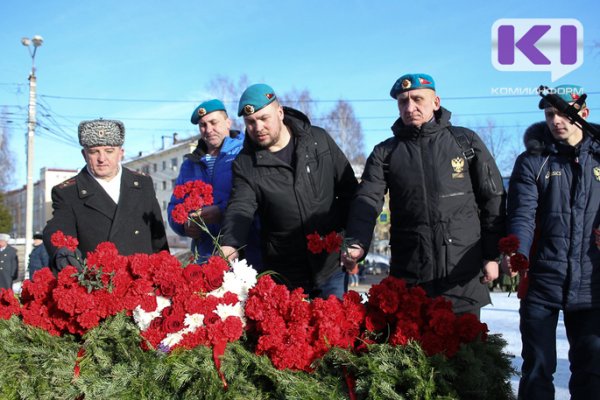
(16,200)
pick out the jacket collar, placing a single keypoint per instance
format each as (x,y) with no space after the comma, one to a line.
(441,120)
(538,139)
(235,139)
(299,126)
(93,196)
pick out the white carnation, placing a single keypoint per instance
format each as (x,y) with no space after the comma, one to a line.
(143,318)
(238,281)
(172,339)
(193,321)
(228,310)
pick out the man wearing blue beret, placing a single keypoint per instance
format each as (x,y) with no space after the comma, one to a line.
(211,163)
(446,200)
(554,210)
(299,182)
(105,202)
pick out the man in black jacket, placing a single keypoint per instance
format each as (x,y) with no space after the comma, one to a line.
(446,200)
(105,202)
(9,263)
(299,181)
(38,258)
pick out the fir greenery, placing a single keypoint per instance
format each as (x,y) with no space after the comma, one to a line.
(37,365)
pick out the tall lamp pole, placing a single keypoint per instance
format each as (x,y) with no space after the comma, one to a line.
(32,45)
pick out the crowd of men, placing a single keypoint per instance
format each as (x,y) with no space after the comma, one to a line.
(284,179)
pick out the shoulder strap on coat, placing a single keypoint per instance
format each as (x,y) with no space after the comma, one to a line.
(463,142)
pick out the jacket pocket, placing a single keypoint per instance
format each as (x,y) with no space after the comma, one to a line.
(310,173)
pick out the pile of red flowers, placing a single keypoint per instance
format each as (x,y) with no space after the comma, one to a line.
(294,332)
(195,194)
(408,314)
(209,305)
(192,318)
(9,304)
(75,301)
(331,243)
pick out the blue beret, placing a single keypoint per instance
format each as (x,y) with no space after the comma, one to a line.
(568,93)
(101,132)
(254,98)
(206,108)
(411,82)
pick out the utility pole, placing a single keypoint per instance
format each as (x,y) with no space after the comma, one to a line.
(34,43)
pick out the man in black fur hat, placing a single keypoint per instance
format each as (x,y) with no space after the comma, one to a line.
(105,202)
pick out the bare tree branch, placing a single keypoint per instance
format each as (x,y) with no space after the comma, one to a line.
(346,130)
(7,159)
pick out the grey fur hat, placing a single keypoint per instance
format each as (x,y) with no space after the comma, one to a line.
(101,132)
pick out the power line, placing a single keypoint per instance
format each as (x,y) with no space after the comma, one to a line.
(109,99)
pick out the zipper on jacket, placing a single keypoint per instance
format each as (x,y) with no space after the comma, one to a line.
(433,262)
(311,179)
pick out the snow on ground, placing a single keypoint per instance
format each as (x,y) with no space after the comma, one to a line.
(503,317)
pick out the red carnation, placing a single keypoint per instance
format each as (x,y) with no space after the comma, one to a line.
(518,262)
(59,239)
(195,194)
(469,328)
(508,244)
(333,242)
(179,214)
(315,243)
(9,305)
(405,330)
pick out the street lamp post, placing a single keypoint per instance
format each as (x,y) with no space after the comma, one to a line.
(32,45)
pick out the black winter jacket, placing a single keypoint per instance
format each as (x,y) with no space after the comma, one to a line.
(554,191)
(445,219)
(84,210)
(291,202)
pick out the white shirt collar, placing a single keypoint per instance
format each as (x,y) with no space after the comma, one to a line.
(112,187)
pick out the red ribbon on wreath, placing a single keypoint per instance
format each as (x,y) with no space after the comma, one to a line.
(351,383)
(218,351)
(77,369)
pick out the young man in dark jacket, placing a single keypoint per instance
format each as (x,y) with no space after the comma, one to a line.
(446,201)
(555,192)
(299,182)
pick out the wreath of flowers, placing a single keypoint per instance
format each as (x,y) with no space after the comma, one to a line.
(212,304)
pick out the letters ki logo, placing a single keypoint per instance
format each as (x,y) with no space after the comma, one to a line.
(537,44)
